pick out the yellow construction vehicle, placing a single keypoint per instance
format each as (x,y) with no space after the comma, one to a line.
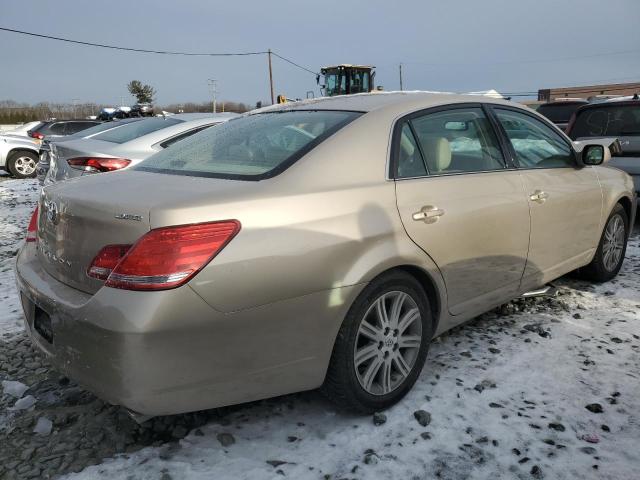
(347,79)
(343,79)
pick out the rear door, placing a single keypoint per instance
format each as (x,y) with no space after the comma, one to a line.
(462,203)
(565,200)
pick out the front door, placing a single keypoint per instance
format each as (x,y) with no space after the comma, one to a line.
(565,200)
(461,204)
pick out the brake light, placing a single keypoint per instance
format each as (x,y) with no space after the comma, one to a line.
(165,257)
(97,164)
(106,260)
(36,135)
(32,229)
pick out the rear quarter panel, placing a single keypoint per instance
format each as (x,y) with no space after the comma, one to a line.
(327,222)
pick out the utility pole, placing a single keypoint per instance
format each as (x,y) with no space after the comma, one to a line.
(270,77)
(75,107)
(400,68)
(214,90)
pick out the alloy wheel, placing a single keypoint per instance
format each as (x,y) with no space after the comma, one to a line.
(613,245)
(24,166)
(387,343)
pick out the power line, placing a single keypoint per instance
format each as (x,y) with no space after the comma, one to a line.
(160,52)
(294,63)
(129,49)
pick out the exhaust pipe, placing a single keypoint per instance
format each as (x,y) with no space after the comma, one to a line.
(546,291)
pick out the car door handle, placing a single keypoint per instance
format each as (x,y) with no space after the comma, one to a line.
(428,214)
(539,196)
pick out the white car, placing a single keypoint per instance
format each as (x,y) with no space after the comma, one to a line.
(22,130)
(18,155)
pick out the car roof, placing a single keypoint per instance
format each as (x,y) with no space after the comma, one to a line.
(368,102)
(198,116)
(607,104)
(564,102)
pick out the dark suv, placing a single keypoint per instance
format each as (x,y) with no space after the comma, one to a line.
(560,111)
(619,119)
(60,128)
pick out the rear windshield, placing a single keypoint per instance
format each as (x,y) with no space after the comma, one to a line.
(251,147)
(134,130)
(101,127)
(559,112)
(607,120)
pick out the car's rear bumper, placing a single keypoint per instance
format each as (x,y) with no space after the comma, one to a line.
(169,352)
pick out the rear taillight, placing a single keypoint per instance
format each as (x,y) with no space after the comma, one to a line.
(106,260)
(97,164)
(32,229)
(36,135)
(165,257)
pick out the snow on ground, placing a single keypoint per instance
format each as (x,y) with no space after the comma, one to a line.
(507,395)
(17,200)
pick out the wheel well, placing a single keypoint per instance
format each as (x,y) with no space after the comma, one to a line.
(19,149)
(626,204)
(429,289)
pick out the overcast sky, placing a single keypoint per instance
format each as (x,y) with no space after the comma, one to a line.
(446,45)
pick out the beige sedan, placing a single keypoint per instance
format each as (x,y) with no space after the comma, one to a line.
(317,244)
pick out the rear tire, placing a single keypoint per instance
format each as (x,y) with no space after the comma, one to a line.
(375,363)
(22,164)
(609,256)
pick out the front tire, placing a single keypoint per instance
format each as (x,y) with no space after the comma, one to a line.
(609,256)
(381,346)
(22,164)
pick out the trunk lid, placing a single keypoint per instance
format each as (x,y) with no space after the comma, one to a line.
(80,216)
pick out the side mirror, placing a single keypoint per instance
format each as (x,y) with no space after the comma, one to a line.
(595,155)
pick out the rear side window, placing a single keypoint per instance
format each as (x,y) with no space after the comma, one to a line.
(252,147)
(459,140)
(134,130)
(609,120)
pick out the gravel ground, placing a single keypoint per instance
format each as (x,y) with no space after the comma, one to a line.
(542,388)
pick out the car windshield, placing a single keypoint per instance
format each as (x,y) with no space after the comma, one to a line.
(251,147)
(134,130)
(558,112)
(607,120)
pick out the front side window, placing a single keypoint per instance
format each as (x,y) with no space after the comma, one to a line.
(457,141)
(251,147)
(535,144)
(131,131)
(607,120)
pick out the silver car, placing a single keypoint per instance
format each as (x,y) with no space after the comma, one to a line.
(320,243)
(45,148)
(125,145)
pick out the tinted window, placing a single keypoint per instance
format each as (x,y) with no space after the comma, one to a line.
(410,163)
(458,140)
(253,146)
(101,127)
(559,112)
(609,120)
(74,127)
(536,145)
(134,130)
(54,129)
